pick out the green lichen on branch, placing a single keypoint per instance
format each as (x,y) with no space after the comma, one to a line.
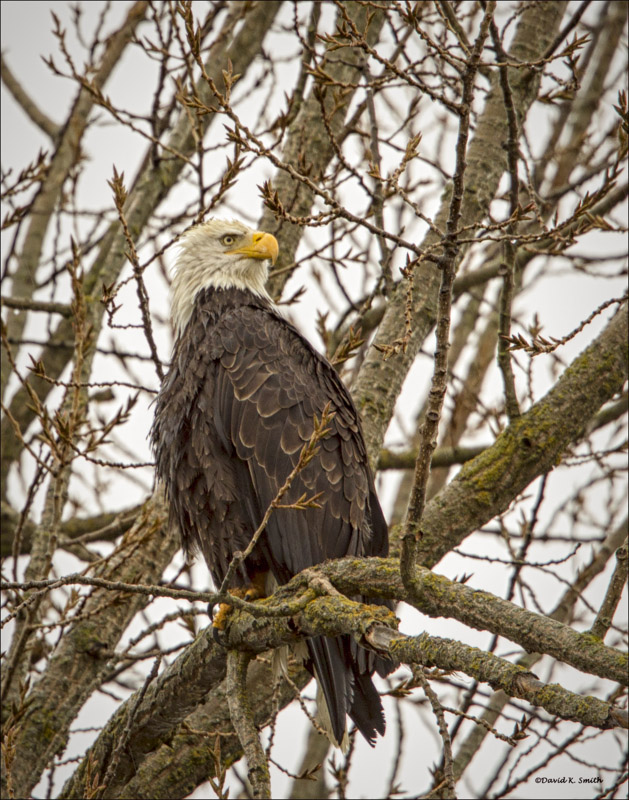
(500,674)
(531,446)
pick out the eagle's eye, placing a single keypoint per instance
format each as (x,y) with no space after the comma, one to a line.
(228,239)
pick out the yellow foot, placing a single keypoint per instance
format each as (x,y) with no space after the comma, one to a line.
(224,610)
(254,591)
(220,618)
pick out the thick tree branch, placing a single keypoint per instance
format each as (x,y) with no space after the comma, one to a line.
(187,757)
(514,680)
(380,381)
(242,720)
(449,456)
(27,104)
(308,144)
(531,446)
(73,533)
(605,616)
(202,666)
(437,596)
(430,593)
(442,457)
(76,669)
(28,304)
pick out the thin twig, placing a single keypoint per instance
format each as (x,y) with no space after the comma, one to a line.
(605,616)
(428,437)
(123,740)
(437,709)
(508,267)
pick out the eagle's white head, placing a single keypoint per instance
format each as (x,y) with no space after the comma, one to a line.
(225,254)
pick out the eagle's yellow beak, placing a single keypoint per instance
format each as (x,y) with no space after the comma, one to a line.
(263,245)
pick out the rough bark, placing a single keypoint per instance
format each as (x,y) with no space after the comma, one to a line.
(76,668)
(531,446)
(380,381)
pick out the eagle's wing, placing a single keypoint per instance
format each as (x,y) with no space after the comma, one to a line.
(266,392)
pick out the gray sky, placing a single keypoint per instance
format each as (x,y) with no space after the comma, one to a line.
(560,305)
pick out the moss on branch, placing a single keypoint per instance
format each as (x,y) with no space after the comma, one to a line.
(202,666)
(531,446)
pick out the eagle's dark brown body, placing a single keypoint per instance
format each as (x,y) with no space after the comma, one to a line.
(231,419)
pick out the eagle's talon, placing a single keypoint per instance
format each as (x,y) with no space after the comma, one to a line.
(218,636)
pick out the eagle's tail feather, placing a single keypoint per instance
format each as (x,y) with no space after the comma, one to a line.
(345,689)
(332,674)
(366,710)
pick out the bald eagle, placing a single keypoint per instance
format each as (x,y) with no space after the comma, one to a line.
(236,408)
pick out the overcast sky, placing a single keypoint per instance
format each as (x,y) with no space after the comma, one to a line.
(559,306)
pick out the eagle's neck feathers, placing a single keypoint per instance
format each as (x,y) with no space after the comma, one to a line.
(201,265)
